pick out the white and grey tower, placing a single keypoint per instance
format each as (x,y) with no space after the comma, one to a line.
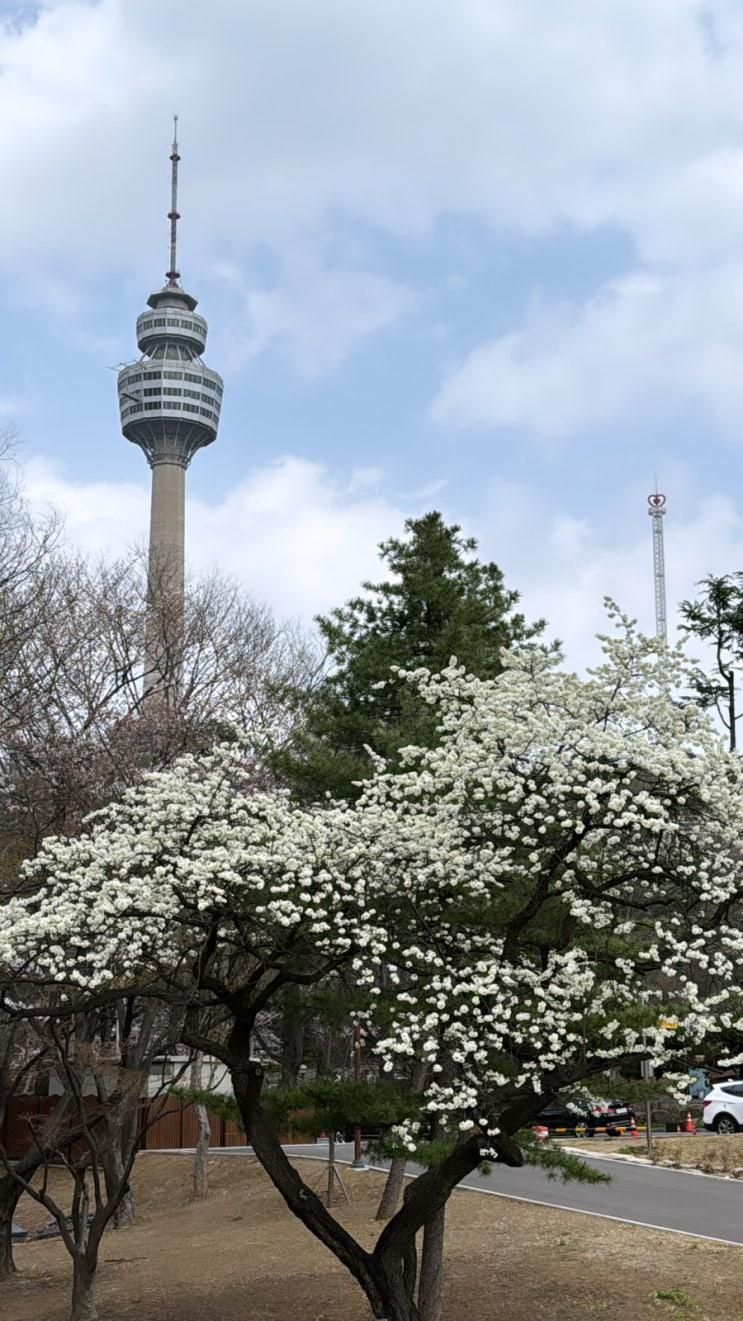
(169,402)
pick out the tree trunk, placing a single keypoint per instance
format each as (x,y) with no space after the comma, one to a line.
(392,1189)
(10,1193)
(432,1268)
(113,1171)
(398,1304)
(383,1274)
(390,1199)
(302,1201)
(204,1134)
(83,1287)
(292,1043)
(200,1168)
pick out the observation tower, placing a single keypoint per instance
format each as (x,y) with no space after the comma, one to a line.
(169,402)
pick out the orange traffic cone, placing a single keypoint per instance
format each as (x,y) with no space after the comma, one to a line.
(688,1125)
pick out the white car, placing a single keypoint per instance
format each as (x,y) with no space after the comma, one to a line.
(723,1107)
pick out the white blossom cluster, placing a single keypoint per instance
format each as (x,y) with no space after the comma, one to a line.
(524,903)
(189,850)
(565,865)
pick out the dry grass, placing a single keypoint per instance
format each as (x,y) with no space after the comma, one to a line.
(242,1257)
(712,1155)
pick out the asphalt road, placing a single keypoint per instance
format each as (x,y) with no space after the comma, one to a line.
(681,1203)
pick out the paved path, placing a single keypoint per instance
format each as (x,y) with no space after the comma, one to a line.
(660,1199)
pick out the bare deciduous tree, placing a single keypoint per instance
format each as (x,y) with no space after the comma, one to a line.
(75,731)
(21,1055)
(86,733)
(93,1137)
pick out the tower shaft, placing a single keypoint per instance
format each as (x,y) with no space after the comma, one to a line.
(165,579)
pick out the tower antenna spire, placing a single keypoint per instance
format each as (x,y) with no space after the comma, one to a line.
(657,510)
(173,275)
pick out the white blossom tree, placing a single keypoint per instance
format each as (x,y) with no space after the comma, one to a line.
(537,890)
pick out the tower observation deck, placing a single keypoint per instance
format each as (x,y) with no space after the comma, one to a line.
(169,402)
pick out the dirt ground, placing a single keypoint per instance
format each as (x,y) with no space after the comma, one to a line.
(242,1257)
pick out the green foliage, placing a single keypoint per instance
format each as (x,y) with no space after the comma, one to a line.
(321,1106)
(438,601)
(330,1003)
(428,1152)
(327,1106)
(716,617)
(556,1162)
(677,1303)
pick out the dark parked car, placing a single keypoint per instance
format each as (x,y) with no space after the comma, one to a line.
(585,1120)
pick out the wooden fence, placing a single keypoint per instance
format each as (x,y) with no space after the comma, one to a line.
(165,1124)
(168,1123)
(22,1113)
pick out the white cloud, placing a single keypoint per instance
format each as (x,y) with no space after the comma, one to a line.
(298,120)
(311,132)
(564,567)
(100,517)
(647,343)
(316,316)
(12,406)
(292,114)
(303,539)
(293,533)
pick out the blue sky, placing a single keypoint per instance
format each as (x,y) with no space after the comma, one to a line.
(485,257)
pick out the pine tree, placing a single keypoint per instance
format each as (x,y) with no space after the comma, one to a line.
(717,618)
(436,601)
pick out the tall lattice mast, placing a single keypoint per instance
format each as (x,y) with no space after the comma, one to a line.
(657,510)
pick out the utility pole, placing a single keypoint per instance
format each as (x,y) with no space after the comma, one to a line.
(657,510)
(358,1162)
(647,1070)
